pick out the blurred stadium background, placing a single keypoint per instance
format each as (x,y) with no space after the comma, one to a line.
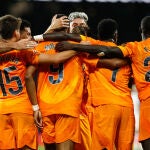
(128,14)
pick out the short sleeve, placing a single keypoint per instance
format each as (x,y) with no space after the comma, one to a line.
(128,48)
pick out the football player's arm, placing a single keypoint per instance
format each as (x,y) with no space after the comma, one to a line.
(112,63)
(57,36)
(31,90)
(56,58)
(6,46)
(108,52)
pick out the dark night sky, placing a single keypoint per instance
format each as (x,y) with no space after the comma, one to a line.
(128,15)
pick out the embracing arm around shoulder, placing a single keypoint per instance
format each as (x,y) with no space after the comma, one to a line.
(56,58)
(112,63)
(6,46)
(109,52)
(57,36)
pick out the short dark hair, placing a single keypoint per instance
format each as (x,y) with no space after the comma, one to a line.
(145,24)
(8,24)
(25,24)
(107,28)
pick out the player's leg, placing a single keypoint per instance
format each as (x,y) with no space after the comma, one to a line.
(67,132)
(67,145)
(146,144)
(25,131)
(144,130)
(50,146)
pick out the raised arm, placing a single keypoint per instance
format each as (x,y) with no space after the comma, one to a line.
(57,23)
(31,90)
(109,52)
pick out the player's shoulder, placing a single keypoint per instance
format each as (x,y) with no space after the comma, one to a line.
(125,44)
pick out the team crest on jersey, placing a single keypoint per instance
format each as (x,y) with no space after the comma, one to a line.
(49,47)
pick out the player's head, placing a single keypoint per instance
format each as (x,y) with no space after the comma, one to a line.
(63,29)
(10,27)
(25,29)
(145,27)
(77,19)
(107,30)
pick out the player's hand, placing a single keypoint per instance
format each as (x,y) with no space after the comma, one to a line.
(63,46)
(38,119)
(25,44)
(62,21)
(58,23)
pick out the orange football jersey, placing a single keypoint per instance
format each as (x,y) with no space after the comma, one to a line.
(139,52)
(13,94)
(60,86)
(107,86)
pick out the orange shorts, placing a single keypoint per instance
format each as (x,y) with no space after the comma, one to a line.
(60,128)
(144,127)
(85,134)
(17,130)
(113,126)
